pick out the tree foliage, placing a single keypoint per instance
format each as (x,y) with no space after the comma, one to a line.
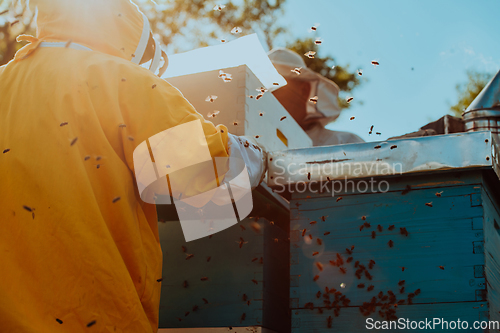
(182,25)
(327,67)
(15,20)
(467,91)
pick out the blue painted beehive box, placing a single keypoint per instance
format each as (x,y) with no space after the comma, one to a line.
(423,245)
(237,278)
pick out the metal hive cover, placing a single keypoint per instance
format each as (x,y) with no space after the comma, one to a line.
(489,97)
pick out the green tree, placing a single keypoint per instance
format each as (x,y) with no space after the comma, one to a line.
(327,67)
(468,91)
(182,25)
(15,20)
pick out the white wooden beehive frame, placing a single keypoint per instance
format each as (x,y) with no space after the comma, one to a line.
(235,105)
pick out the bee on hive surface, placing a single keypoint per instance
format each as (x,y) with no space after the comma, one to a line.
(255,227)
(320,266)
(406,190)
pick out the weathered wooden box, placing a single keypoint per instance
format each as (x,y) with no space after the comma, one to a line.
(264,117)
(445,195)
(246,286)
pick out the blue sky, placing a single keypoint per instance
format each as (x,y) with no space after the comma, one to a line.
(439,39)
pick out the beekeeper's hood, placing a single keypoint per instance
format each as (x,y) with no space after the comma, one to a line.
(115,27)
(327,108)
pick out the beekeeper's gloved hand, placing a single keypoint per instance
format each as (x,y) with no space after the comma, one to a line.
(253,154)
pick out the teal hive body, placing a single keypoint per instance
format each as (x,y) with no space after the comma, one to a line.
(449,260)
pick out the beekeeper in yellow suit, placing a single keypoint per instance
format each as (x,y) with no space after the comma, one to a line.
(79,249)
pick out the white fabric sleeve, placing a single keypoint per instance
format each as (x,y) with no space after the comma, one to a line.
(255,159)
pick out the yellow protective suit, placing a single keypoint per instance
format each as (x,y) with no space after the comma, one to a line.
(74,257)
